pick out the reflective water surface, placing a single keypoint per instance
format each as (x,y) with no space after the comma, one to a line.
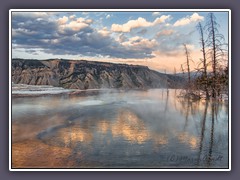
(134,129)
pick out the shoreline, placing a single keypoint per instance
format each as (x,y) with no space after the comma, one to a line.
(25,90)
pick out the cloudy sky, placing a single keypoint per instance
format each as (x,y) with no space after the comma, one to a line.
(154,39)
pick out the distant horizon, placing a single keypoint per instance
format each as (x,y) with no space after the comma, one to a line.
(148,38)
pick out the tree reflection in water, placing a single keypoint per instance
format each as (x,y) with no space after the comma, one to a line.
(136,129)
(207,122)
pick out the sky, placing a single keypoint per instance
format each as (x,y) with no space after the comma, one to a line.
(151,38)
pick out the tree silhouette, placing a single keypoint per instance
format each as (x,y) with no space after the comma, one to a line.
(215,43)
(204,60)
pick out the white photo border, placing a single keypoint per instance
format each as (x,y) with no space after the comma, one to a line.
(118,10)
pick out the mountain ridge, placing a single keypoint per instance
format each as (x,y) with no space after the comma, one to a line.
(82,74)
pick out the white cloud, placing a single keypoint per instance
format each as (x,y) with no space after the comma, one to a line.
(62,20)
(62,35)
(22,31)
(30,14)
(121,38)
(72,17)
(55,41)
(156,13)
(140,43)
(108,16)
(104,32)
(74,25)
(140,22)
(195,17)
(162,19)
(166,32)
(89,21)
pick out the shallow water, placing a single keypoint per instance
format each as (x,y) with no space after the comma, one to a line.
(134,129)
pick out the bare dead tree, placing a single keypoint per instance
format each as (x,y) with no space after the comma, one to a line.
(215,43)
(187,53)
(182,69)
(204,60)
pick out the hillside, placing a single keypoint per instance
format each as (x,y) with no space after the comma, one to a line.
(80,74)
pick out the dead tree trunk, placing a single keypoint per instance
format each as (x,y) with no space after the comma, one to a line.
(188,65)
(215,43)
(202,41)
(214,64)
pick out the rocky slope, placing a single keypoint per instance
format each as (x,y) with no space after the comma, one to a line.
(82,74)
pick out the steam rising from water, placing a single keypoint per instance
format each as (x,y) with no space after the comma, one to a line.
(121,129)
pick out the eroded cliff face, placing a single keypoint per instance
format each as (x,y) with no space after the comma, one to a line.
(74,74)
